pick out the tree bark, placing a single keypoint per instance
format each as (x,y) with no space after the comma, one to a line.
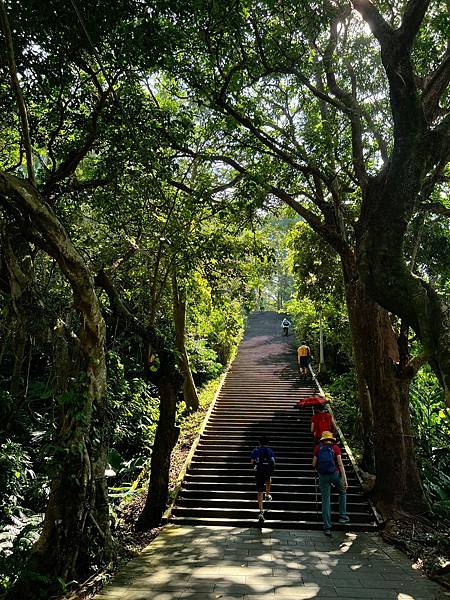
(76,518)
(165,439)
(382,265)
(421,147)
(167,380)
(179,316)
(385,406)
(17,257)
(359,311)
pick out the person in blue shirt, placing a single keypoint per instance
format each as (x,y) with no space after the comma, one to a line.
(263,461)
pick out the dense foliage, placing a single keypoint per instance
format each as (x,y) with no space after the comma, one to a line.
(146,151)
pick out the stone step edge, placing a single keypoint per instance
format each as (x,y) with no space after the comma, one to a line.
(268,524)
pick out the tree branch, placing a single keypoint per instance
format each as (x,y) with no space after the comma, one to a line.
(333,238)
(380,28)
(227,80)
(436,86)
(414,364)
(349,99)
(319,226)
(79,186)
(17,91)
(382,145)
(147,334)
(68,166)
(270,143)
(435,208)
(412,19)
(215,190)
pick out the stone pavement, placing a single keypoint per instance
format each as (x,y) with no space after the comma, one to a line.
(227,563)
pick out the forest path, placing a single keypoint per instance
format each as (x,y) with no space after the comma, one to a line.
(230,563)
(280,561)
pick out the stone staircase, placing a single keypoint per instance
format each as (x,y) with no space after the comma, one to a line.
(258,398)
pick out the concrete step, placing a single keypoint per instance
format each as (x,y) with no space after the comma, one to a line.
(283,481)
(306,485)
(303,506)
(245,469)
(244,458)
(269,523)
(277,515)
(278,495)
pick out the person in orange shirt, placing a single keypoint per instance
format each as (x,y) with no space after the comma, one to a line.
(303,357)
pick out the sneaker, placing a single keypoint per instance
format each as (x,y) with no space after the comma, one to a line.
(267,497)
(261,517)
(327,532)
(344,520)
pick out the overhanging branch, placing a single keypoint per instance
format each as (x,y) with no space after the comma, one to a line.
(68,166)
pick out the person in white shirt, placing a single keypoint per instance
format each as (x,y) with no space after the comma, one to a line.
(285,325)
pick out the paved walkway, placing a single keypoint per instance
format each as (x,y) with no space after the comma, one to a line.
(226,563)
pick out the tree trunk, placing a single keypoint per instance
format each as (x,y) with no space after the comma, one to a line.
(167,380)
(383,268)
(420,153)
(385,408)
(358,310)
(165,440)
(398,485)
(27,322)
(179,310)
(76,521)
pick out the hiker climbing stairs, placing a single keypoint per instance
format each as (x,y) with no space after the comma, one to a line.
(258,398)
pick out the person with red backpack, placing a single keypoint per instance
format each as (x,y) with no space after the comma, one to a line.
(321,421)
(328,462)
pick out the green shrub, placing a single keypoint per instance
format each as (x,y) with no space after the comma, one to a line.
(133,409)
(15,474)
(20,526)
(16,540)
(430,421)
(204,361)
(342,390)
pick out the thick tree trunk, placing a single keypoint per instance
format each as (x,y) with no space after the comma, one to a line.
(398,485)
(358,312)
(383,268)
(179,311)
(76,521)
(167,380)
(385,409)
(420,152)
(165,440)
